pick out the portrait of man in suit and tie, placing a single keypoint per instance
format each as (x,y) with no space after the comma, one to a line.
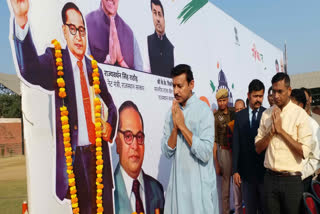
(160,49)
(111,40)
(135,191)
(41,71)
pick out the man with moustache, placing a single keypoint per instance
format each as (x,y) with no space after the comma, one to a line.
(247,165)
(187,140)
(111,40)
(135,191)
(222,150)
(160,49)
(285,135)
(41,71)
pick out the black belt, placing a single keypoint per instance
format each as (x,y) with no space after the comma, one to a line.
(283,173)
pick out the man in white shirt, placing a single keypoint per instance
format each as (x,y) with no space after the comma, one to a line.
(135,191)
(311,163)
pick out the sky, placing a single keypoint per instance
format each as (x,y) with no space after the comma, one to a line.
(294,21)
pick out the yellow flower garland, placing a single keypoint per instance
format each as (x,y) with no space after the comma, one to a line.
(66,132)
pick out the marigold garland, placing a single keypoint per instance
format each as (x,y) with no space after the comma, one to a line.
(66,132)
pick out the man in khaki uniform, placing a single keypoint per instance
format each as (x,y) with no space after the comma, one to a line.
(222,150)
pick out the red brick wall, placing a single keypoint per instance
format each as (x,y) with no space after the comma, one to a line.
(10,137)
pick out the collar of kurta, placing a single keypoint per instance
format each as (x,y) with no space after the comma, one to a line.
(191,100)
(288,106)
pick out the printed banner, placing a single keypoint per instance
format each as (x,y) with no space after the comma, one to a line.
(79,148)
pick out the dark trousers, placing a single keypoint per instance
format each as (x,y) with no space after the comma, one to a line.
(253,196)
(85,173)
(307,184)
(283,194)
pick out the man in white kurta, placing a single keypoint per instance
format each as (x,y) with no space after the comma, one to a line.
(188,140)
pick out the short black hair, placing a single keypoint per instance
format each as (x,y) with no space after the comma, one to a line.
(270,90)
(299,96)
(182,69)
(66,7)
(129,104)
(306,90)
(239,100)
(157,2)
(277,62)
(281,76)
(247,102)
(256,85)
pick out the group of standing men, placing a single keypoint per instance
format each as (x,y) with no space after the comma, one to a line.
(272,153)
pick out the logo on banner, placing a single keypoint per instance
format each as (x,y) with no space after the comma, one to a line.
(257,56)
(236,36)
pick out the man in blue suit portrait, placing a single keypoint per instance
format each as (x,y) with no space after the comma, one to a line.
(41,71)
(135,191)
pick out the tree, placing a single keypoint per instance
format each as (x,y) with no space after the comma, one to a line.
(10,104)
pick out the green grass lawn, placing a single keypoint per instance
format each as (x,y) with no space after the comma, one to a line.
(13,184)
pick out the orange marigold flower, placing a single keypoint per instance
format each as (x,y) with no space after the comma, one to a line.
(97,111)
(67,139)
(97,91)
(97,82)
(99,201)
(64,113)
(60,73)
(99,193)
(62,94)
(99,180)
(70,167)
(68,153)
(97,120)
(75,210)
(72,184)
(99,162)
(58,54)
(98,153)
(100,186)
(98,143)
(53,41)
(71,175)
(74,200)
(98,128)
(66,130)
(100,209)
(59,64)
(99,171)
(69,160)
(74,191)
(95,74)
(67,145)
(97,101)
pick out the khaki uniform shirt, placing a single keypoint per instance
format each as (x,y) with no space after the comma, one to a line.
(221,121)
(295,122)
